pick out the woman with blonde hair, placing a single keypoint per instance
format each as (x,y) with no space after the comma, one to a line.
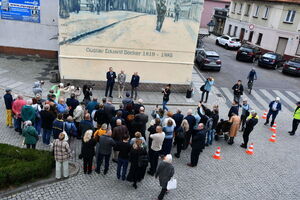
(180,136)
(139,161)
(138,135)
(88,151)
(62,154)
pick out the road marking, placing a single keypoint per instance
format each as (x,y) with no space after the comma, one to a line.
(282,96)
(7,83)
(252,104)
(268,95)
(260,99)
(2,71)
(4,79)
(295,97)
(228,93)
(15,84)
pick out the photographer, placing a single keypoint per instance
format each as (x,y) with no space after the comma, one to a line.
(166,92)
(206,88)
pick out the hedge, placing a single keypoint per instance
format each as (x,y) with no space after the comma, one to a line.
(19,165)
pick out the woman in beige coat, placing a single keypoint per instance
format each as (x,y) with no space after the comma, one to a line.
(235,120)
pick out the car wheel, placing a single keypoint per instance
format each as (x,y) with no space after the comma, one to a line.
(226,46)
(217,42)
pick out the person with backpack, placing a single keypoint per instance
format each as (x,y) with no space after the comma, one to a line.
(180,136)
(139,161)
(206,88)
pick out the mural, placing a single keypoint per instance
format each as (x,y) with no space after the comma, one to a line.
(158,31)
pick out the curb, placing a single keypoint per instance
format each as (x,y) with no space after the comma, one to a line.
(40,183)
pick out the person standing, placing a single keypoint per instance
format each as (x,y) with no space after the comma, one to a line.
(84,125)
(234,109)
(296,119)
(121,83)
(37,87)
(177,12)
(139,162)
(238,90)
(165,171)
(161,10)
(8,100)
(135,81)
(169,134)
(178,117)
(274,108)
(78,114)
(110,76)
(88,151)
(118,134)
(109,110)
(198,144)
(166,94)
(47,119)
(100,116)
(123,158)
(143,120)
(250,123)
(17,106)
(207,88)
(30,134)
(87,93)
(28,112)
(104,149)
(180,134)
(57,126)
(62,154)
(192,122)
(245,113)
(235,120)
(155,149)
(72,103)
(92,104)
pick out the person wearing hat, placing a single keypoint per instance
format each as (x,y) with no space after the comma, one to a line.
(245,113)
(296,119)
(274,108)
(251,121)
(8,100)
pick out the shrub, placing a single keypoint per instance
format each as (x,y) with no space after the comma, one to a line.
(19,165)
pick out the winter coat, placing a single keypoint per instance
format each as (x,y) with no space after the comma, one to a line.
(135,81)
(78,114)
(233,109)
(100,117)
(126,101)
(72,104)
(119,132)
(105,145)
(136,173)
(143,119)
(164,172)
(62,108)
(124,149)
(8,100)
(62,151)
(28,113)
(198,139)
(30,134)
(191,120)
(235,120)
(208,85)
(109,111)
(37,89)
(85,125)
(70,129)
(178,118)
(238,89)
(91,106)
(88,149)
(47,119)
(57,127)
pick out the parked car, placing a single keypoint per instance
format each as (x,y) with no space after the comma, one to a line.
(228,42)
(271,60)
(292,67)
(208,60)
(248,53)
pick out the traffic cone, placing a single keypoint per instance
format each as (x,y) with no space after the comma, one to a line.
(273,128)
(273,138)
(250,149)
(217,154)
(264,115)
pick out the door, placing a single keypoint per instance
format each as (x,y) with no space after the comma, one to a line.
(242,33)
(281,46)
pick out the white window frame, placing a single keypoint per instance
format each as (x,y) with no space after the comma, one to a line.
(234,7)
(247,11)
(256,12)
(290,16)
(267,11)
(241,8)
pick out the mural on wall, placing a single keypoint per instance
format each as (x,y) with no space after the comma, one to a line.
(21,10)
(145,30)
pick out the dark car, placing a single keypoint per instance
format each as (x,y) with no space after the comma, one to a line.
(292,67)
(208,60)
(248,53)
(271,60)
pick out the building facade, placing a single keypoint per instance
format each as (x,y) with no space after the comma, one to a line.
(273,25)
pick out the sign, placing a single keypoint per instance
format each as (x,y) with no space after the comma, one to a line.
(21,10)
(251,27)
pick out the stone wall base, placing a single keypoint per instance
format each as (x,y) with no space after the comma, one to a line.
(25,52)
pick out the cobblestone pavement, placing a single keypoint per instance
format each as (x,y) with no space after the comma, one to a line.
(271,173)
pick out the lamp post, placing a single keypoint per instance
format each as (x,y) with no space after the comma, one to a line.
(211,26)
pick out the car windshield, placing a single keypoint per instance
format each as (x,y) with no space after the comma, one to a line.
(269,55)
(295,62)
(246,49)
(235,40)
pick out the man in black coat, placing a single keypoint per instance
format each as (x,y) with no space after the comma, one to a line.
(238,90)
(198,144)
(100,116)
(72,103)
(144,119)
(234,109)
(109,111)
(250,123)
(192,122)
(47,119)
(178,118)
(110,76)
(135,81)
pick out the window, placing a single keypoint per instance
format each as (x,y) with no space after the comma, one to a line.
(233,8)
(290,16)
(241,7)
(229,29)
(235,30)
(247,10)
(260,35)
(250,36)
(256,13)
(266,13)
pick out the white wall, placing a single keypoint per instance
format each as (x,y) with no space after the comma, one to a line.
(33,35)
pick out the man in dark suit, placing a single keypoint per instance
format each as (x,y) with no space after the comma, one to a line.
(274,108)
(135,81)
(110,76)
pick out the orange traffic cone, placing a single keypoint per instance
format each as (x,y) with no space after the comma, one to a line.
(250,149)
(217,154)
(273,138)
(273,128)
(264,115)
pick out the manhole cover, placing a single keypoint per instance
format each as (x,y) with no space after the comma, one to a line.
(219,95)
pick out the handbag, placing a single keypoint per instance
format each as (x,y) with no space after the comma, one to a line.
(202,88)
(172,184)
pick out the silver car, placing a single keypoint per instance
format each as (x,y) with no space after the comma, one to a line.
(208,60)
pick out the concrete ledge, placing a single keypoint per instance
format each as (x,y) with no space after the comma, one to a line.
(25,52)
(74,172)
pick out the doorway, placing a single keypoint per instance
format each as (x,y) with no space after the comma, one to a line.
(242,33)
(281,45)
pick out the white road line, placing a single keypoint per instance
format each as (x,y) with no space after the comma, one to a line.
(228,93)
(294,96)
(14,85)
(4,79)
(283,97)
(2,71)
(252,105)
(267,94)
(260,99)
(7,83)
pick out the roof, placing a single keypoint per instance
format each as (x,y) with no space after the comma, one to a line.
(281,1)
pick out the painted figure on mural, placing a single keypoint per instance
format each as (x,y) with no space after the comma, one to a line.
(177,12)
(64,9)
(161,10)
